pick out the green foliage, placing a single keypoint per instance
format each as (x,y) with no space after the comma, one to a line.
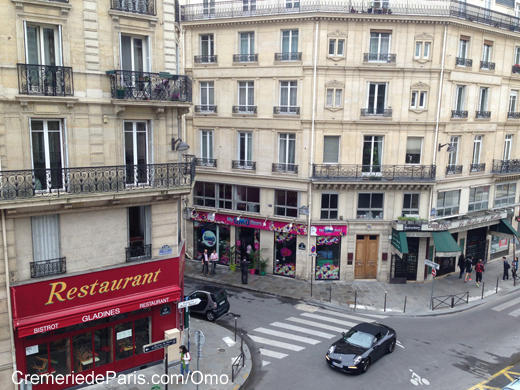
(410,219)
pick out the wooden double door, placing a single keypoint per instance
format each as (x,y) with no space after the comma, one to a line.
(367,249)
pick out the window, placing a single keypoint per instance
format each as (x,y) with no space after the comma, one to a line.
(422,50)
(46,237)
(410,204)
(47,154)
(247,199)
(507,146)
(460,98)
(336,47)
(249,5)
(43,45)
(329,206)
(245,149)
(517,55)
(334,97)
(463,49)
(477,148)
(290,41)
(139,229)
(136,151)
(478,198)
(370,206)
(483,100)
(512,101)
(292,3)
(206,147)
(207,48)
(288,96)
(505,194)
(453,157)
(379,45)
(286,148)
(246,96)
(486,55)
(247,43)
(448,203)
(204,194)
(286,203)
(376,98)
(413,150)
(208,7)
(207,96)
(418,100)
(372,153)
(227,196)
(135,56)
(331,149)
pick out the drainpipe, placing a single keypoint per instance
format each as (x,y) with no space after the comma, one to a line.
(441,81)
(8,290)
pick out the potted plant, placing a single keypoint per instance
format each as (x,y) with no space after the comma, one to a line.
(230,256)
(120,92)
(263,266)
(253,257)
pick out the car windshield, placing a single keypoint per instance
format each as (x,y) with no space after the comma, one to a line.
(358,338)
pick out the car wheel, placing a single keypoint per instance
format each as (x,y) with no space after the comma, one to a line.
(391,346)
(366,365)
(210,316)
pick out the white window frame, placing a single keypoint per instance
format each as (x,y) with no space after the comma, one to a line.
(517,53)
(40,41)
(292,4)
(334,43)
(460,95)
(373,110)
(45,232)
(290,86)
(483,203)
(209,41)
(418,100)
(513,99)
(290,143)
(477,149)
(248,5)
(453,209)
(508,145)
(453,158)
(483,100)
(247,88)
(423,50)
(209,86)
(379,43)
(293,34)
(147,61)
(335,137)
(420,158)
(249,37)
(248,149)
(463,49)
(412,195)
(135,163)
(331,99)
(329,209)
(486,53)
(207,140)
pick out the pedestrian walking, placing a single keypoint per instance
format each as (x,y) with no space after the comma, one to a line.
(479,270)
(205,262)
(514,267)
(214,259)
(244,267)
(185,361)
(462,265)
(506,269)
(469,268)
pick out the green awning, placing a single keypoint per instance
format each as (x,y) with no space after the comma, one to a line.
(445,245)
(399,241)
(504,227)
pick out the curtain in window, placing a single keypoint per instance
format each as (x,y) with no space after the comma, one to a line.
(294,41)
(286,36)
(282,153)
(284,94)
(385,44)
(338,97)
(33,53)
(329,97)
(293,91)
(45,237)
(331,150)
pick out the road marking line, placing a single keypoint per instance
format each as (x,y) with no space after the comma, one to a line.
(264,363)
(515,313)
(506,305)
(274,343)
(287,336)
(333,320)
(303,330)
(479,385)
(344,315)
(229,341)
(273,354)
(316,324)
(304,307)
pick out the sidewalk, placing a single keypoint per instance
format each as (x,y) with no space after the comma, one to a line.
(370,295)
(218,353)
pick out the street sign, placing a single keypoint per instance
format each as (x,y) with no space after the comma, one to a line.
(431,264)
(191,302)
(158,345)
(434,272)
(199,338)
(165,310)
(313,249)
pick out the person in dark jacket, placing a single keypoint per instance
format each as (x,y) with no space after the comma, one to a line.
(514,267)
(244,267)
(479,270)
(506,269)
(469,268)
(462,265)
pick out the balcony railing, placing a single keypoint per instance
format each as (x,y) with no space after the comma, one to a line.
(205,59)
(287,168)
(206,162)
(286,110)
(459,114)
(506,166)
(453,169)
(40,269)
(145,7)
(487,65)
(464,62)
(245,57)
(477,168)
(244,109)
(59,182)
(242,164)
(288,56)
(421,173)
(138,252)
(60,1)
(385,112)
(513,115)
(515,69)
(206,108)
(45,80)
(379,57)
(482,114)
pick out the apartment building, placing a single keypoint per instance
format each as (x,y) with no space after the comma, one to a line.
(317,125)
(93,95)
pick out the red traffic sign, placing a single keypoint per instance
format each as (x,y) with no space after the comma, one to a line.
(434,272)
(313,249)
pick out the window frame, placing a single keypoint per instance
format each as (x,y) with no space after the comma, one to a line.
(454,209)
(210,42)
(290,139)
(483,100)
(250,38)
(509,198)
(453,158)
(376,95)
(513,100)
(371,208)
(292,36)
(58,55)
(517,54)
(222,202)
(420,154)
(285,207)
(247,88)
(411,209)
(460,97)
(292,85)
(147,58)
(477,149)
(335,51)
(329,210)
(248,147)
(508,145)
(482,202)
(209,86)
(334,97)
(208,153)
(379,40)
(424,53)
(465,47)
(338,145)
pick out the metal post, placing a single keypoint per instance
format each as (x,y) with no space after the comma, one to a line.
(355,299)
(385,303)
(236,318)
(166,368)
(496,290)
(242,348)
(330,294)
(452,301)
(483,290)
(404,311)
(431,298)
(199,350)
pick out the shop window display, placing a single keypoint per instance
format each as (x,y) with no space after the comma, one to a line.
(82,355)
(142,334)
(285,254)
(37,359)
(212,237)
(124,341)
(328,251)
(60,356)
(103,346)
(248,242)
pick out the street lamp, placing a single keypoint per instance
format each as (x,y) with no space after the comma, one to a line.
(304,210)
(186,212)
(181,146)
(450,149)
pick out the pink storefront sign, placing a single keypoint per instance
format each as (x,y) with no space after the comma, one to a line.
(327,230)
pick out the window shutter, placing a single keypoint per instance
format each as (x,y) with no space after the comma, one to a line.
(413,145)
(331,150)
(45,237)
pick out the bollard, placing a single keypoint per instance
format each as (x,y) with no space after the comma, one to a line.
(452,301)
(467,298)
(496,290)
(404,311)
(330,294)
(355,299)
(483,290)
(384,308)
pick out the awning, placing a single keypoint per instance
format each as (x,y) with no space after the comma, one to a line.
(504,227)
(445,245)
(399,241)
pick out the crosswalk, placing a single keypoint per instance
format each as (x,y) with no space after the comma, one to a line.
(507,305)
(293,334)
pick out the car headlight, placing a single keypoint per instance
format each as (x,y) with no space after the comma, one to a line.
(357,360)
(331,350)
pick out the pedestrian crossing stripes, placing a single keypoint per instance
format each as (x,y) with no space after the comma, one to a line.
(287,336)
(303,330)
(274,354)
(275,343)
(328,319)
(507,304)
(315,324)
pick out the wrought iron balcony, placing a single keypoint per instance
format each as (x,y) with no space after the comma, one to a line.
(60,1)
(453,169)
(59,182)
(188,157)
(286,110)
(288,56)
(379,57)
(487,65)
(206,108)
(464,62)
(45,80)
(482,114)
(150,86)
(138,252)
(245,57)
(341,172)
(459,114)
(145,7)
(206,162)
(477,168)
(243,164)
(244,109)
(205,59)
(506,166)
(384,112)
(40,269)
(513,115)
(287,168)
(515,69)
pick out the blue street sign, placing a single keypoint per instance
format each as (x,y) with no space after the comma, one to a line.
(313,249)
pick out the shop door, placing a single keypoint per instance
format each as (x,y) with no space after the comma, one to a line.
(367,248)
(411,258)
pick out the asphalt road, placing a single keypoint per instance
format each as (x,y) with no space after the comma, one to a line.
(288,340)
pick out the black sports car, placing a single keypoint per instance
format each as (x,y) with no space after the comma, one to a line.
(361,346)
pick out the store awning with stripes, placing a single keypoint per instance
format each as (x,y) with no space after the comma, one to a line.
(504,227)
(445,245)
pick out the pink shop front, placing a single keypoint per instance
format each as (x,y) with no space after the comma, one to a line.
(328,251)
